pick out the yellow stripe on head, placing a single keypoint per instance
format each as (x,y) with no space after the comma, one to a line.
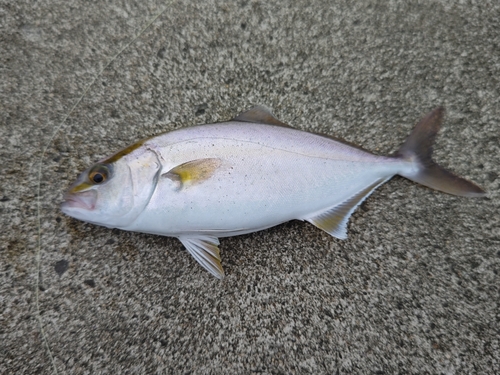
(124,152)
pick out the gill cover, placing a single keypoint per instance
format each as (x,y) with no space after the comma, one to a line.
(113,192)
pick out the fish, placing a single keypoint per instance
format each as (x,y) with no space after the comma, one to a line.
(205,182)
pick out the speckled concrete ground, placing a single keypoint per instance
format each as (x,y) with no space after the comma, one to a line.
(415,288)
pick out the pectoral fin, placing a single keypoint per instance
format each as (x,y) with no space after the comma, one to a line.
(206,252)
(193,172)
(260,115)
(334,220)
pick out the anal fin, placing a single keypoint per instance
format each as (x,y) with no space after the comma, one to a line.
(334,220)
(205,250)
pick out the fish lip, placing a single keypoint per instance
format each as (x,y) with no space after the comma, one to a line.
(85,200)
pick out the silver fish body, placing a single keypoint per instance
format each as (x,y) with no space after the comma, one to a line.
(245,175)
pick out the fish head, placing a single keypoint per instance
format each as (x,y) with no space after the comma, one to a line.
(114,191)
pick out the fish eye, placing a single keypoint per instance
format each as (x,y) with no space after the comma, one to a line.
(97,177)
(99,174)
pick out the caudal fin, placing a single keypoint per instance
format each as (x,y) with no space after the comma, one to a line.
(418,149)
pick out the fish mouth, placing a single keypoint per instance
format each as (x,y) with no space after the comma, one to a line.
(85,200)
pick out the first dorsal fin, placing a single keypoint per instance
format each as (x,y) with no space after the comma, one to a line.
(205,250)
(260,115)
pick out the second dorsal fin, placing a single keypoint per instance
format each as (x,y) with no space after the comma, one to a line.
(259,115)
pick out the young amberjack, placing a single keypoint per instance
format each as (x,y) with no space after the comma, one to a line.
(241,176)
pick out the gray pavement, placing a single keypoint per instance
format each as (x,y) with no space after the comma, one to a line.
(415,288)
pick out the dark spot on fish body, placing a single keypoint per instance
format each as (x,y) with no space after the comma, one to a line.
(89,282)
(61,267)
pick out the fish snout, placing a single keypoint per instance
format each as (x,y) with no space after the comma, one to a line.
(85,200)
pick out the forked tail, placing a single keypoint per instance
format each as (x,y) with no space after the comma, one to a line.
(418,149)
